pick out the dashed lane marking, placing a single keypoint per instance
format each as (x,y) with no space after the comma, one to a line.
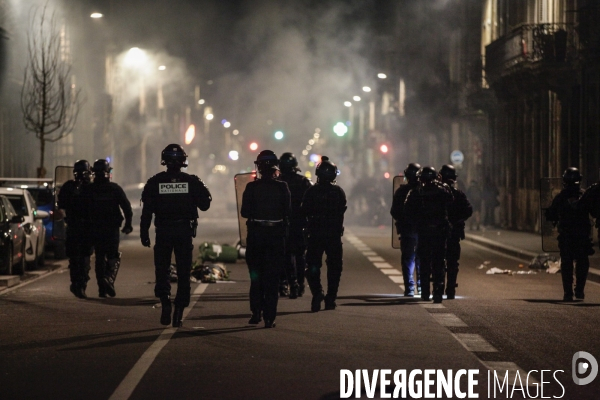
(471,342)
(133,378)
(448,320)
(475,342)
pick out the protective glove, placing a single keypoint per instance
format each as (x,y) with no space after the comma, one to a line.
(127,229)
(145,238)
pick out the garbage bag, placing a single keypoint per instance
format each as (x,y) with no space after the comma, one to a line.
(217,252)
(542,261)
(211,272)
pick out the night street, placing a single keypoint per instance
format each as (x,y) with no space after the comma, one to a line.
(57,346)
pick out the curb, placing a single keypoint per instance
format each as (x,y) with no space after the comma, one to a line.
(32,276)
(593,274)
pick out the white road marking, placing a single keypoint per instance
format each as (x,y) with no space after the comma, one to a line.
(448,320)
(382,265)
(396,278)
(474,342)
(369,253)
(432,305)
(133,378)
(391,271)
(376,259)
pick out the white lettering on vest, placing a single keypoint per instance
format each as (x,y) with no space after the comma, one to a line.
(170,188)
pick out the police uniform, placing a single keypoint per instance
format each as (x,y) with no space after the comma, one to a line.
(408,235)
(78,244)
(324,205)
(173,197)
(458,212)
(574,229)
(296,245)
(426,207)
(266,205)
(105,201)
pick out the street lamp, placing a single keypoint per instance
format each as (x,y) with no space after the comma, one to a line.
(340,129)
(209,116)
(348,104)
(278,135)
(381,75)
(356,98)
(96,15)
(366,89)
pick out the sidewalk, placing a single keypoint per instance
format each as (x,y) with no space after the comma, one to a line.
(523,245)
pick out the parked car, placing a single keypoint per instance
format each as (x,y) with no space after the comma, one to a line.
(35,231)
(55,223)
(12,239)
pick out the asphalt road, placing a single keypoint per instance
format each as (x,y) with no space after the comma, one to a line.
(55,346)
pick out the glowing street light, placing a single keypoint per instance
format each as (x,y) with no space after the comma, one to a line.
(227,124)
(381,75)
(366,89)
(162,67)
(190,134)
(234,155)
(209,117)
(135,57)
(201,101)
(236,132)
(356,98)
(340,129)
(253,146)
(96,15)
(278,135)
(384,148)
(348,104)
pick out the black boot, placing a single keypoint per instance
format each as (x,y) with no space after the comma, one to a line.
(301,289)
(255,319)
(269,323)
(111,275)
(284,291)
(101,289)
(294,291)
(177,316)
(165,315)
(78,290)
(315,305)
(330,302)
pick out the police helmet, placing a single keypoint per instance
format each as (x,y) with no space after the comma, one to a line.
(326,170)
(288,162)
(173,156)
(572,177)
(427,174)
(101,168)
(81,169)
(265,161)
(410,173)
(448,173)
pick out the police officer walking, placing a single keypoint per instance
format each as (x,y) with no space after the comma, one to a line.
(296,246)
(426,207)
(105,200)
(173,197)
(574,231)
(78,243)
(406,232)
(324,206)
(459,211)
(266,205)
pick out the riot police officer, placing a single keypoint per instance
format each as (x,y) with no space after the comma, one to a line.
(78,244)
(296,246)
(105,200)
(426,207)
(459,211)
(324,205)
(266,205)
(173,197)
(574,230)
(406,232)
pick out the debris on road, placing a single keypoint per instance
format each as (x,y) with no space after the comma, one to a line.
(217,253)
(494,270)
(210,272)
(542,261)
(553,267)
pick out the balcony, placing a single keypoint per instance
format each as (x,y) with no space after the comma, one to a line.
(532,46)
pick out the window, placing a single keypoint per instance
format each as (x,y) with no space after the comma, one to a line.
(18,203)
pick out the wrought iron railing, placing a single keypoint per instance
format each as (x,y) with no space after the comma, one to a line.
(529,44)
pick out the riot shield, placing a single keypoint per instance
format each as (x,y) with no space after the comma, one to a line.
(241,180)
(61,175)
(396,182)
(549,188)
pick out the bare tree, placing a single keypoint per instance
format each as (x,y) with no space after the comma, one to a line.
(49,99)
